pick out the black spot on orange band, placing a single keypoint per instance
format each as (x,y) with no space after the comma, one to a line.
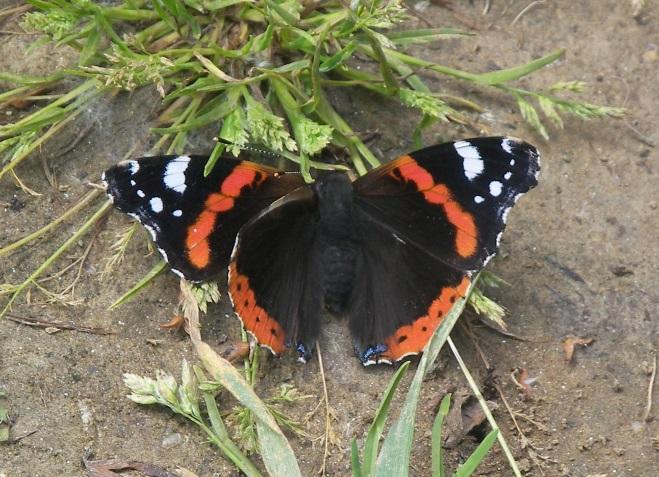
(255,319)
(411,339)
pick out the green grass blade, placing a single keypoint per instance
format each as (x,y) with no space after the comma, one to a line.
(276,452)
(474,460)
(394,458)
(338,58)
(146,279)
(86,200)
(375,431)
(511,74)
(481,400)
(424,35)
(354,460)
(385,68)
(436,443)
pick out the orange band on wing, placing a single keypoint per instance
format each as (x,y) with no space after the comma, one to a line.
(196,242)
(466,243)
(411,339)
(254,318)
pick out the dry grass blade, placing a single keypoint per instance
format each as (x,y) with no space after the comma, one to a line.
(57,324)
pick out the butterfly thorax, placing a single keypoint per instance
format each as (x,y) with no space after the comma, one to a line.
(336,238)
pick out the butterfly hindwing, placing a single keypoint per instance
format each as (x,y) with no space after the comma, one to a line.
(451,200)
(194,219)
(400,294)
(274,275)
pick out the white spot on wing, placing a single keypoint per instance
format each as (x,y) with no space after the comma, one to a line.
(478,199)
(507,144)
(495,188)
(141,194)
(174,177)
(507,175)
(512,162)
(133,167)
(156,204)
(177,213)
(472,162)
(133,183)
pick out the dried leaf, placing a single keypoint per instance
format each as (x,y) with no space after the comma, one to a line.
(175,323)
(235,351)
(464,416)
(570,342)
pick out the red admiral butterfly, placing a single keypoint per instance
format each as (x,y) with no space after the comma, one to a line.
(390,251)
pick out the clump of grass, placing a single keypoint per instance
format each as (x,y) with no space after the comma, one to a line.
(187,399)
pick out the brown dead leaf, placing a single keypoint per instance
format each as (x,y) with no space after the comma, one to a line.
(175,323)
(569,344)
(465,415)
(523,381)
(235,351)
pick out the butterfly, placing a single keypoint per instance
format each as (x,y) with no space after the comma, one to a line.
(390,251)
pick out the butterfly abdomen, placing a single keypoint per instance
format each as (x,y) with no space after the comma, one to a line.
(336,238)
(339,272)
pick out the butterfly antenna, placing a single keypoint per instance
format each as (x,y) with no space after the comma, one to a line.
(249,147)
(259,150)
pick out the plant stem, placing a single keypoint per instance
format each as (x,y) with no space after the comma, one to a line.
(486,410)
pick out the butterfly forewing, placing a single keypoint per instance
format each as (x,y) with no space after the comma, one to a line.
(194,219)
(451,200)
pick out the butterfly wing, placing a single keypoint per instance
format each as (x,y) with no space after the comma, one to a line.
(194,219)
(451,200)
(274,275)
(426,222)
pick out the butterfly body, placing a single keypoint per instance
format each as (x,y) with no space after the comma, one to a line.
(390,252)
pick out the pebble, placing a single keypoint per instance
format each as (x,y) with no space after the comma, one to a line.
(172,440)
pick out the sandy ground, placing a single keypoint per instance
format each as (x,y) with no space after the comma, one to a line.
(580,253)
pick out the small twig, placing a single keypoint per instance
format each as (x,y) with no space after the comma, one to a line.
(25,188)
(328,417)
(24,320)
(23,436)
(14,9)
(526,9)
(648,407)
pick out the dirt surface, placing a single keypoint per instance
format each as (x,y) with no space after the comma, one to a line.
(580,254)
